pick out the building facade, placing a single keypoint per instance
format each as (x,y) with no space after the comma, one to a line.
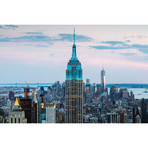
(51,114)
(103,79)
(74,89)
(17,115)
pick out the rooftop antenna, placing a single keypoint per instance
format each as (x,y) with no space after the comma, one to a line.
(74,36)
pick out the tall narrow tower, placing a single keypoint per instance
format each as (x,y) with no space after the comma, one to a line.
(103,79)
(74,89)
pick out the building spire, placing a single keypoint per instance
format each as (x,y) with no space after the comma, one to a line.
(16,104)
(74,37)
(74,56)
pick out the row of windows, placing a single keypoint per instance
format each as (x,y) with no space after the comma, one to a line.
(19,121)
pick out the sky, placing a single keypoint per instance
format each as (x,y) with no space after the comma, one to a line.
(39,53)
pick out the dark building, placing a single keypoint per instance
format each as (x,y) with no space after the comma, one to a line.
(144,111)
(26,106)
(35,110)
(135,113)
(99,89)
(2,115)
(41,110)
(26,92)
(11,95)
(74,89)
(113,92)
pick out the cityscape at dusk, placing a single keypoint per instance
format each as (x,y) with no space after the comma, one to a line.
(74,74)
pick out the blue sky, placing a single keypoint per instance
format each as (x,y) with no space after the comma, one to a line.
(39,53)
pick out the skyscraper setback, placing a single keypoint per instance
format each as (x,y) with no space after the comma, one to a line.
(74,89)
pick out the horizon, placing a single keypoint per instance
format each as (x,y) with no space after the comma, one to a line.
(27,52)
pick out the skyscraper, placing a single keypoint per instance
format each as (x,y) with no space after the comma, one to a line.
(17,115)
(144,111)
(35,110)
(74,89)
(51,114)
(103,79)
(26,106)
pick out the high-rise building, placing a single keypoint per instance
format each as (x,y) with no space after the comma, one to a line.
(2,115)
(42,110)
(74,89)
(113,117)
(87,81)
(26,105)
(114,92)
(98,89)
(103,79)
(35,110)
(26,92)
(51,114)
(17,115)
(123,92)
(144,111)
(11,95)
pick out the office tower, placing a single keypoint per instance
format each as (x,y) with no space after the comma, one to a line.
(113,117)
(11,95)
(87,81)
(2,115)
(49,90)
(74,89)
(26,105)
(42,110)
(51,113)
(35,110)
(58,88)
(42,91)
(88,88)
(136,116)
(143,111)
(99,89)
(17,115)
(103,79)
(93,90)
(26,92)
(114,92)
(63,91)
(124,93)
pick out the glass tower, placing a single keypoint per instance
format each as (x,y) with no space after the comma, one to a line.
(103,79)
(74,89)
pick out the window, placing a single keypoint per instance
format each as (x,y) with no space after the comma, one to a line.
(19,120)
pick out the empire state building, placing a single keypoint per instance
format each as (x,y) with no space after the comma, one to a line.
(74,89)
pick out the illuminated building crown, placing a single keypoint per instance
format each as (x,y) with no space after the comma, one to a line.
(74,70)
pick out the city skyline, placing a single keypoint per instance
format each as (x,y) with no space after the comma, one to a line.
(40,53)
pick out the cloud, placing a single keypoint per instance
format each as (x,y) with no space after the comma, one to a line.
(36,37)
(135,37)
(31,38)
(42,45)
(36,33)
(79,38)
(1,27)
(8,27)
(110,47)
(117,45)
(113,42)
(52,54)
(128,54)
